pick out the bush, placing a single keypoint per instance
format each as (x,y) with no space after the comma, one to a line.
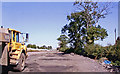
(117,63)
(79,51)
(63,49)
(94,51)
(69,50)
(112,52)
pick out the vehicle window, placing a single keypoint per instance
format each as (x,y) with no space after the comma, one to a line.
(17,37)
(13,35)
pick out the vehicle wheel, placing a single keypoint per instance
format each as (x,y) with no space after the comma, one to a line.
(21,65)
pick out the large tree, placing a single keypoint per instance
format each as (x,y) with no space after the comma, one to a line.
(83,27)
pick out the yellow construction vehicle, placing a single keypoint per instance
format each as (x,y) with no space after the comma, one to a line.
(13,51)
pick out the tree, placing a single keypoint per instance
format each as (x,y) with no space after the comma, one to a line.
(33,46)
(49,47)
(38,47)
(83,25)
(45,47)
(29,46)
(117,48)
(63,42)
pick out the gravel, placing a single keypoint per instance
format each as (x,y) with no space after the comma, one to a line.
(54,61)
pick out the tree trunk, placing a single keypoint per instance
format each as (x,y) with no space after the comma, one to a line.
(101,54)
(95,57)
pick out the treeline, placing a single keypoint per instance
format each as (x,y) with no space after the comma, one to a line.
(83,29)
(38,47)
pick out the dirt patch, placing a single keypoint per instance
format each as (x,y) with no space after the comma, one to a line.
(55,68)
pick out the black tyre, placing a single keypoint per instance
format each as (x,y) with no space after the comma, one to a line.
(21,65)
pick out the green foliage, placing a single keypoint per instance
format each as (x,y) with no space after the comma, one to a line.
(116,63)
(38,47)
(29,46)
(34,46)
(49,47)
(63,42)
(79,51)
(45,47)
(95,33)
(117,53)
(112,52)
(109,52)
(82,28)
(118,49)
(69,50)
(94,50)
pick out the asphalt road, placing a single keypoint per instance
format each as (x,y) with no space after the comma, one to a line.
(53,61)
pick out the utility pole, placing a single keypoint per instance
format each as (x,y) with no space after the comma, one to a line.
(118,38)
(115,35)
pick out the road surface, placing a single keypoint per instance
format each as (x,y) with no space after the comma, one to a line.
(53,61)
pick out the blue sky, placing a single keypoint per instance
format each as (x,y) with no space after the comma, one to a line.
(44,20)
(58,0)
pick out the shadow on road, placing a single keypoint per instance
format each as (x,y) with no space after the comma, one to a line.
(6,69)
